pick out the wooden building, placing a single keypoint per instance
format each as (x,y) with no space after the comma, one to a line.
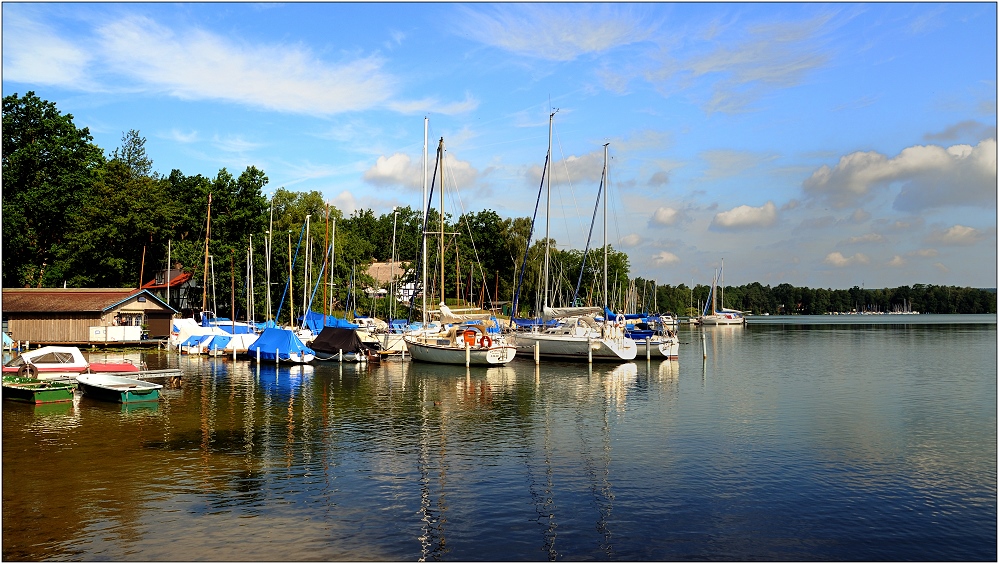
(84,315)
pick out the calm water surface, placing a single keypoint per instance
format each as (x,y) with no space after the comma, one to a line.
(791,441)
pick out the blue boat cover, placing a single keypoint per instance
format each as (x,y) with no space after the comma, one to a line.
(525,323)
(280,341)
(611,315)
(195,340)
(218,342)
(315,322)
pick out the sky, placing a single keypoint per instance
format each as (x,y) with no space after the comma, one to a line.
(820,145)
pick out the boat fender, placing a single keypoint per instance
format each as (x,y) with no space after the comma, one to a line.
(486,342)
(28,370)
(619,319)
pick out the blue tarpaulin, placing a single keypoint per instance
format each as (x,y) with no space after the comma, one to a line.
(218,342)
(315,322)
(195,340)
(276,343)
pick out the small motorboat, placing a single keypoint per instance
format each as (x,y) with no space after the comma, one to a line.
(118,389)
(31,390)
(60,363)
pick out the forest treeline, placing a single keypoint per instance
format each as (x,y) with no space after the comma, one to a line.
(76,215)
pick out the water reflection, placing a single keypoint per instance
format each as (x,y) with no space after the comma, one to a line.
(649,460)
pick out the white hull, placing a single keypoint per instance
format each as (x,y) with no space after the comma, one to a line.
(577,347)
(710,320)
(661,349)
(388,343)
(442,351)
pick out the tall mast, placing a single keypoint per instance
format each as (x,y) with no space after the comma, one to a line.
(606,300)
(269,241)
(425,212)
(440,165)
(208,232)
(548,208)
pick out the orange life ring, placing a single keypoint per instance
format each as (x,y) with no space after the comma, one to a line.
(486,342)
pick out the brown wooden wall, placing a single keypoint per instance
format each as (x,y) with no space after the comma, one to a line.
(52,327)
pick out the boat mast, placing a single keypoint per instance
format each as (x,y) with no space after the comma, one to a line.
(426,205)
(208,232)
(440,165)
(548,210)
(606,304)
(269,241)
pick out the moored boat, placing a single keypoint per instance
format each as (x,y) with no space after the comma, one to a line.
(118,389)
(31,390)
(60,363)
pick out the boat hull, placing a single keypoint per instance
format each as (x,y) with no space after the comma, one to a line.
(661,349)
(715,320)
(106,387)
(574,347)
(444,353)
(29,390)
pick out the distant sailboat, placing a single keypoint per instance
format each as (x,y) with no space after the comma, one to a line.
(723,316)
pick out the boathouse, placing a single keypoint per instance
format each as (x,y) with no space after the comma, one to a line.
(80,316)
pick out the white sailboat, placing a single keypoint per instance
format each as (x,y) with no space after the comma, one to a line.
(579,335)
(721,316)
(458,339)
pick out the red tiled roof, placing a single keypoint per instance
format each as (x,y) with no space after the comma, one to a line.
(50,300)
(177,281)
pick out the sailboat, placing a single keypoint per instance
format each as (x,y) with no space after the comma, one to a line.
(723,316)
(579,334)
(458,339)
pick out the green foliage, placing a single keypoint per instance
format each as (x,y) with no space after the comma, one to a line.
(72,215)
(49,168)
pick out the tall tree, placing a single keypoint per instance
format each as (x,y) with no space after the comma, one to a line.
(49,167)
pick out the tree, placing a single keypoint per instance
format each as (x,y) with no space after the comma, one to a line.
(49,167)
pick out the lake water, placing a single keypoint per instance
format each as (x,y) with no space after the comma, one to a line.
(792,440)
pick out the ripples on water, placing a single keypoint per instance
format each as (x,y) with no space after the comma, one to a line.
(787,443)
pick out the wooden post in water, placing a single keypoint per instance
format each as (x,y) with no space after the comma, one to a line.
(704,346)
(468,354)
(537,353)
(648,348)
(589,350)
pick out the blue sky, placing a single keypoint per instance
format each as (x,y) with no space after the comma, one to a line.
(822,145)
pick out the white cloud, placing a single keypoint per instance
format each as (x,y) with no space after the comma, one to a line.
(192,63)
(550,31)
(773,56)
(182,136)
(34,53)
(629,241)
(838,260)
(930,177)
(868,238)
(234,144)
(395,170)
(896,261)
(746,217)
(958,235)
(923,253)
(664,258)
(345,202)
(664,216)
(432,105)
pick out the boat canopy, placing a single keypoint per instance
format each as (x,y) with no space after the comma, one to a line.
(316,322)
(557,312)
(276,343)
(196,340)
(218,342)
(448,316)
(332,340)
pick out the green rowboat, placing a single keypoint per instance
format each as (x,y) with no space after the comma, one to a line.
(30,390)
